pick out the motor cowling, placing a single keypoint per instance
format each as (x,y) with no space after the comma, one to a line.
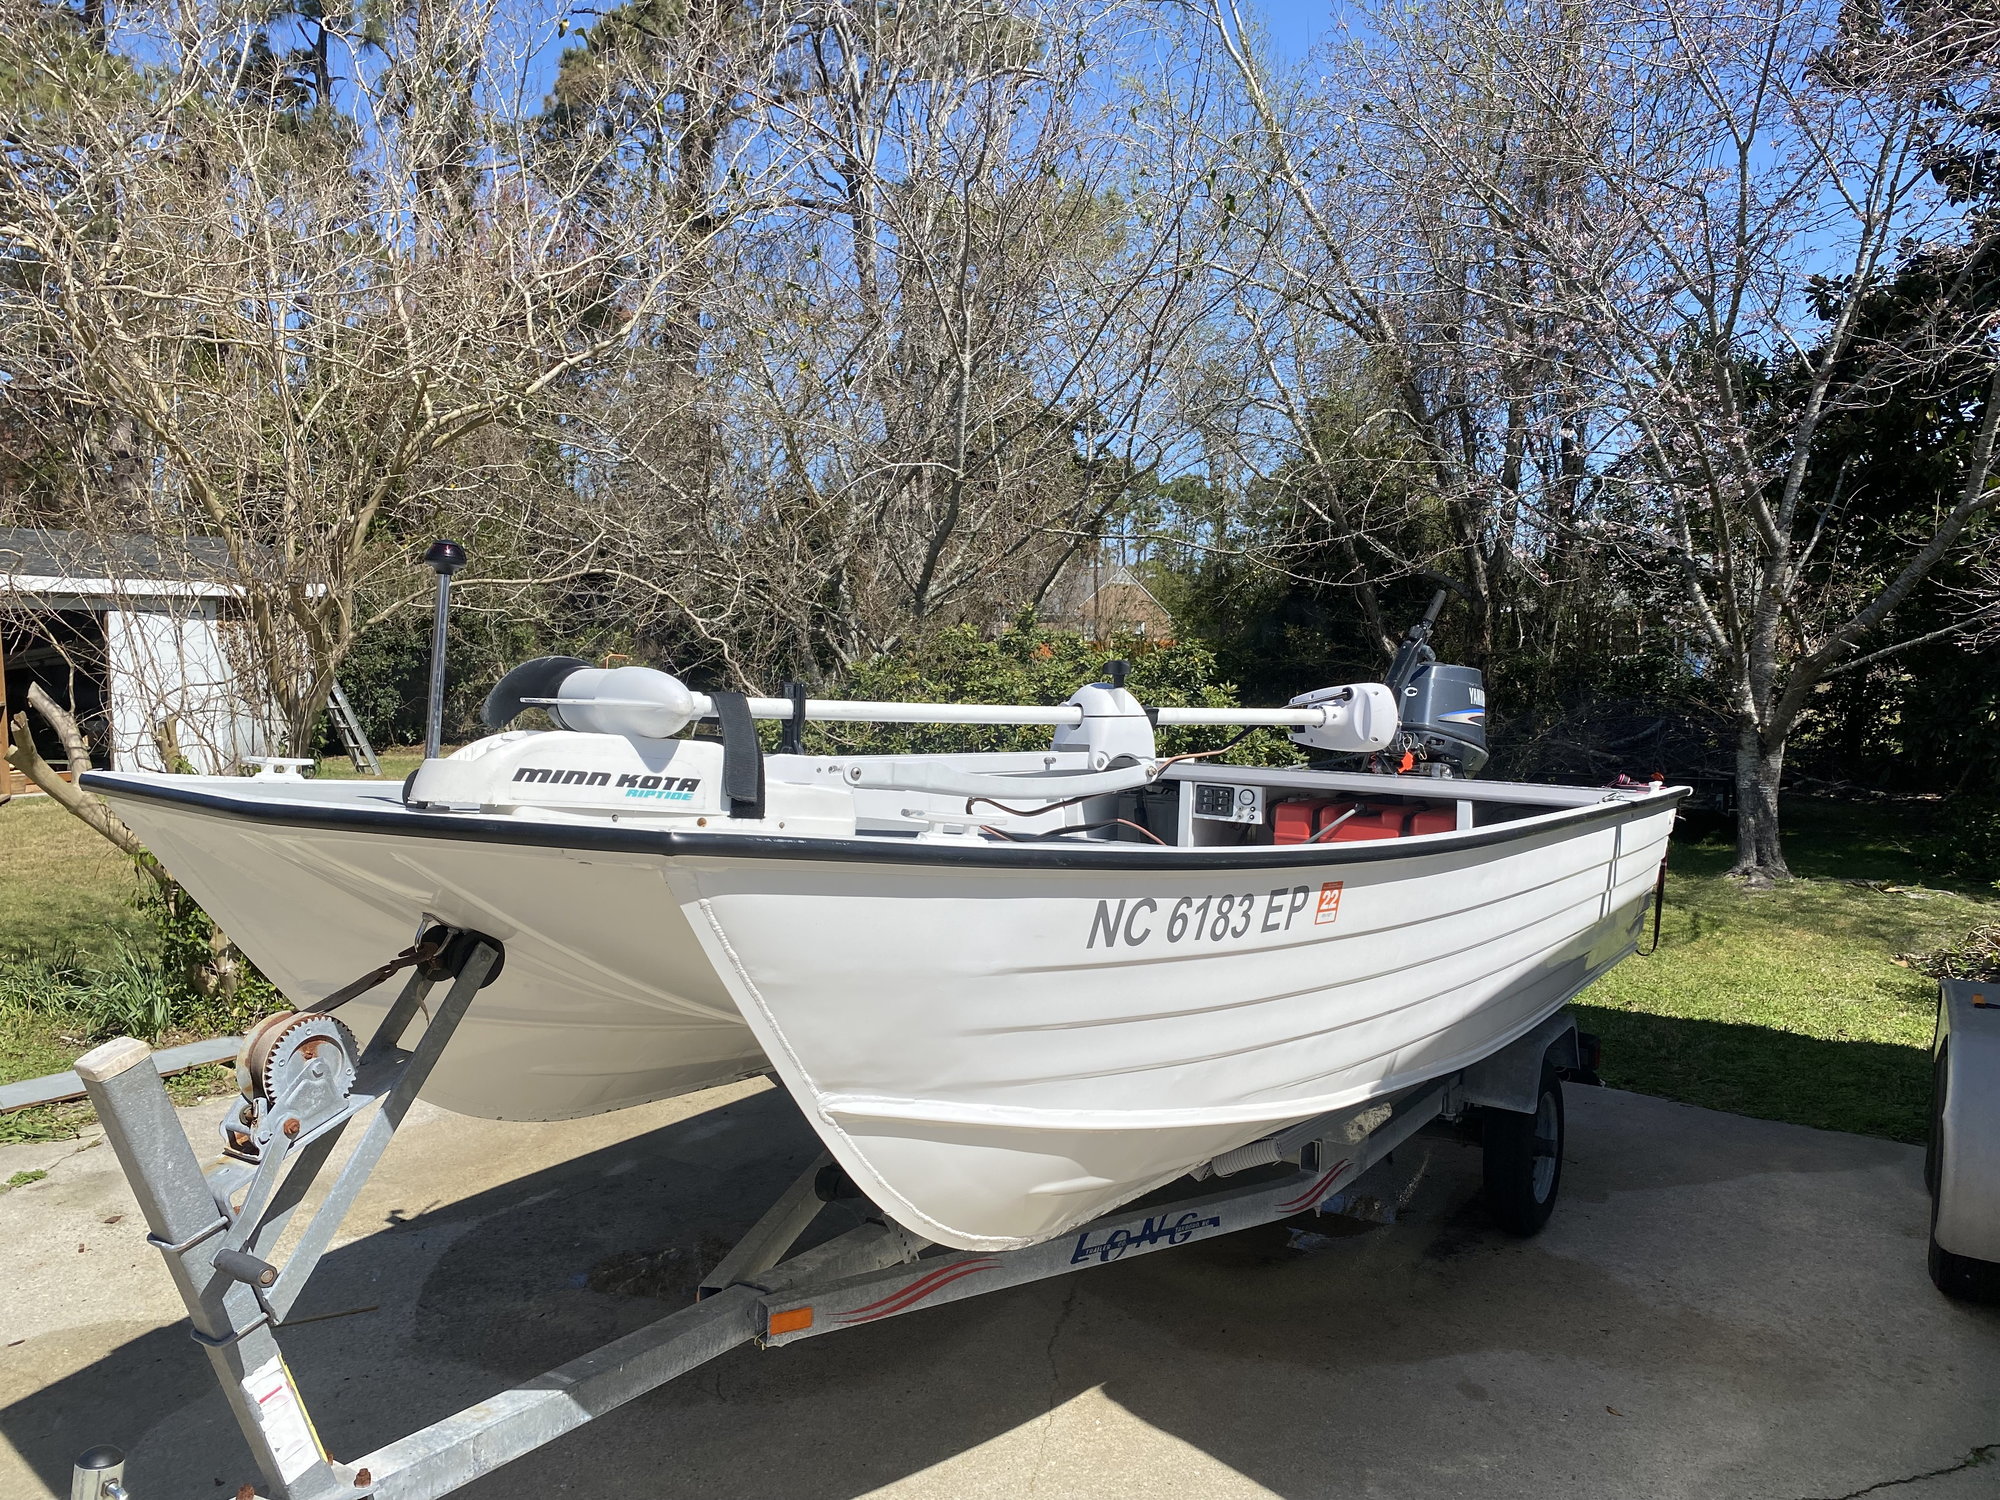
(1443,712)
(563,769)
(1114,729)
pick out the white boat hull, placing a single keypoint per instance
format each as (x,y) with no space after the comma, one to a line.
(606,1000)
(994,1053)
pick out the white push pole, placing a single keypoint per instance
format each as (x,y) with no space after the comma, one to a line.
(867,711)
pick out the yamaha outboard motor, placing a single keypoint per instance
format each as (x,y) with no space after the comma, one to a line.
(1442,708)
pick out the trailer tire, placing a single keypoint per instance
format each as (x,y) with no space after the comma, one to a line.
(1958,1276)
(1522,1159)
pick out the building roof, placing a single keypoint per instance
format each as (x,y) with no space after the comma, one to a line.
(34,560)
(1099,593)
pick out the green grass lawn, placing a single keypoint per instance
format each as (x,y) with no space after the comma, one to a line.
(1787,1003)
(62,888)
(67,907)
(397,761)
(65,894)
(1790,1003)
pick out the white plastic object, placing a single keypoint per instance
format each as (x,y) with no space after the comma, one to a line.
(909,776)
(1360,718)
(277,767)
(639,702)
(1114,727)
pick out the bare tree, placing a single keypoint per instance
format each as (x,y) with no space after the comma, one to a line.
(1660,227)
(935,345)
(1404,381)
(1752,177)
(305,333)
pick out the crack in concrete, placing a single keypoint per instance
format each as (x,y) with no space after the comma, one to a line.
(1055,1387)
(1983,1454)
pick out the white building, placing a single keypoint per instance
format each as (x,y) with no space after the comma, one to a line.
(133,640)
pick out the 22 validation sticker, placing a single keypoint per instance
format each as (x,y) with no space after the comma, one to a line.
(1329,902)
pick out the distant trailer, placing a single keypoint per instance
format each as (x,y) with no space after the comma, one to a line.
(1962,1166)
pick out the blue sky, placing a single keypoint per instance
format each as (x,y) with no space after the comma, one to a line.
(1295,25)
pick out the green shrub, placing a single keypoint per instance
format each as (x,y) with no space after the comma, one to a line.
(205,983)
(1031,664)
(1965,843)
(386,673)
(184,979)
(121,996)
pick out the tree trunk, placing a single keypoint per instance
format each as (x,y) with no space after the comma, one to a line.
(303,722)
(1760,766)
(87,809)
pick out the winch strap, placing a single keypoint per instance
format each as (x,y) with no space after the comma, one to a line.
(417,953)
(742,756)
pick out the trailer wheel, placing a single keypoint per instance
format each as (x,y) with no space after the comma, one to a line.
(1958,1276)
(1523,1159)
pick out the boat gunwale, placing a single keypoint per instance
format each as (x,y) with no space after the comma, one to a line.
(680,843)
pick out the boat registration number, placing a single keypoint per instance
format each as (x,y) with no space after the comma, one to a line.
(1210,919)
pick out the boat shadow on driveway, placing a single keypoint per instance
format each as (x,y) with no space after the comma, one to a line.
(1721,1306)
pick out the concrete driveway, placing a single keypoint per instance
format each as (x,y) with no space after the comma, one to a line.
(1721,1307)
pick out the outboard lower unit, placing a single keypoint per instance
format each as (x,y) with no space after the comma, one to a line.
(1442,708)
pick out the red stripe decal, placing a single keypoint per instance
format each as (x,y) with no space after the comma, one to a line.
(922,1283)
(1312,1194)
(911,1295)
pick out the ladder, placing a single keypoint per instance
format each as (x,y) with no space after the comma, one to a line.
(352,735)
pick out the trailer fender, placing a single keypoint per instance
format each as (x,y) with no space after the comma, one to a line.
(1511,1078)
(1964,1165)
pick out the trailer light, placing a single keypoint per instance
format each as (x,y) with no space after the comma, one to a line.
(791,1320)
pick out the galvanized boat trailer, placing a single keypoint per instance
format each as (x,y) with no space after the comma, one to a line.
(305,1082)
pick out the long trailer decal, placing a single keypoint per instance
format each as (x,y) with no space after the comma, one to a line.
(1155,1231)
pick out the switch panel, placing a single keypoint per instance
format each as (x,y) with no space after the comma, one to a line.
(1221,803)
